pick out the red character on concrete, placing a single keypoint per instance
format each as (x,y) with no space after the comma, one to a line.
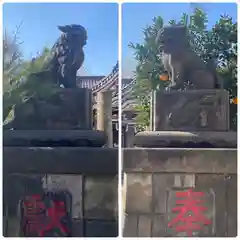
(190,216)
(34,213)
(40,219)
(55,214)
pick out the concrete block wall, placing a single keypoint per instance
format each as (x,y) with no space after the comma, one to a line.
(89,174)
(153,176)
(94,205)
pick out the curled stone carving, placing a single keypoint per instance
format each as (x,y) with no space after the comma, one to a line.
(67,55)
(183,65)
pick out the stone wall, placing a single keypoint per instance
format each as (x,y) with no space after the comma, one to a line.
(94,205)
(53,147)
(153,177)
(93,186)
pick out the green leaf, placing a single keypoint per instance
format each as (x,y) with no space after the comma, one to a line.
(218,43)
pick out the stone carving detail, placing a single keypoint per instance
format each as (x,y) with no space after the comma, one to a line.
(60,111)
(183,65)
(203,116)
(192,110)
(67,55)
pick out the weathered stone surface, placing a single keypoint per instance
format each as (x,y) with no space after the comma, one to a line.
(179,139)
(216,186)
(60,160)
(210,171)
(184,181)
(77,228)
(208,201)
(232,205)
(73,184)
(67,109)
(144,226)
(53,138)
(180,160)
(195,110)
(159,226)
(131,226)
(16,187)
(161,184)
(12,227)
(101,228)
(101,197)
(139,193)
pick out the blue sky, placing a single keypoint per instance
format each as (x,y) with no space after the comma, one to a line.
(39,29)
(101,21)
(137,16)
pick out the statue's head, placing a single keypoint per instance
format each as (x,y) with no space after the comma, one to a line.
(172,38)
(75,31)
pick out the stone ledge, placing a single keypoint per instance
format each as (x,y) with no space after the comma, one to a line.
(179,139)
(53,138)
(177,160)
(60,160)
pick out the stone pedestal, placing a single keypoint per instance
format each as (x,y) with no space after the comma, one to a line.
(67,109)
(178,139)
(39,160)
(195,110)
(189,119)
(186,156)
(62,127)
(53,138)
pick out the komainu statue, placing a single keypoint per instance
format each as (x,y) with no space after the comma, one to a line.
(202,105)
(59,68)
(67,55)
(183,64)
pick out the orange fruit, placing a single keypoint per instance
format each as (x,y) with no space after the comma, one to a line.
(234,100)
(164,77)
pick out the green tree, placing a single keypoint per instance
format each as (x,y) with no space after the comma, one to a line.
(18,82)
(148,69)
(12,58)
(218,42)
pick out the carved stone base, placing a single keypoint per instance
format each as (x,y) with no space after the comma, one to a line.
(177,139)
(195,110)
(67,109)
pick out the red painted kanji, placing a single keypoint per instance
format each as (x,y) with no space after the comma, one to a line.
(39,219)
(55,213)
(34,210)
(190,216)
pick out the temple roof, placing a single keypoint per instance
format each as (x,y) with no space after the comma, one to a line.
(90,81)
(128,100)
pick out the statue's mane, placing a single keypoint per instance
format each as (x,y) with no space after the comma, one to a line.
(66,55)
